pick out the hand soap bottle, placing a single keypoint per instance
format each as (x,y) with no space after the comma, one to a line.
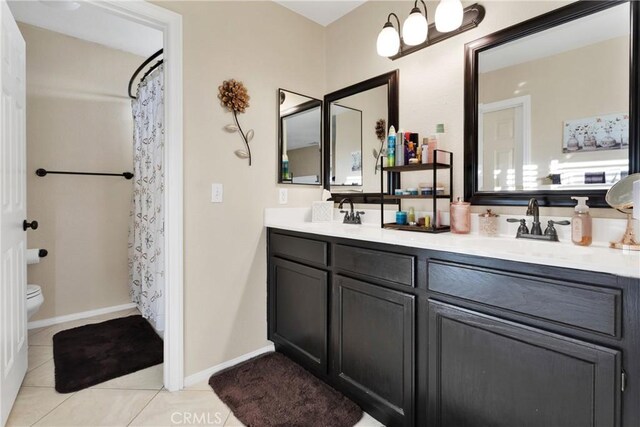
(581,223)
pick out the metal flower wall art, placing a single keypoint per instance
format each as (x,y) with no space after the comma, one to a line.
(234,97)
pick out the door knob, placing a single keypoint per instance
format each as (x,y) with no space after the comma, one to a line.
(32,225)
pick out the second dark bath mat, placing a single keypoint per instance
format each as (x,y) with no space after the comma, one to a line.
(272,390)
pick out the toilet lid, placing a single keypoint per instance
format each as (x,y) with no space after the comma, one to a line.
(33,290)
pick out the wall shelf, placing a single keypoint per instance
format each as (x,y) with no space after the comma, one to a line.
(434,168)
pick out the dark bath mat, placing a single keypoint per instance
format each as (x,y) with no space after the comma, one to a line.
(271,390)
(92,354)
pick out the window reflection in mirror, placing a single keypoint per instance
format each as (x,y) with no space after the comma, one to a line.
(300,135)
(353,140)
(553,109)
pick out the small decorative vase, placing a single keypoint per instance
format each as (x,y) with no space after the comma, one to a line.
(572,144)
(608,141)
(589,142)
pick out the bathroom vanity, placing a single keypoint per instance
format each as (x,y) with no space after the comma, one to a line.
(418,335)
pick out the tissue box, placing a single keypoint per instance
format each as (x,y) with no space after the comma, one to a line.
(321,211)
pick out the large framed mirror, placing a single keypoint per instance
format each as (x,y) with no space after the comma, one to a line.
(300,138)
(551,106)
(350,117)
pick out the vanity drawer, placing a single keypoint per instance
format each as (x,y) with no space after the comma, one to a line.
(578,305)
(297,248)
(396,268)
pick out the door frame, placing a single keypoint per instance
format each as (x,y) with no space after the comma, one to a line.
(523,102)
(170,23)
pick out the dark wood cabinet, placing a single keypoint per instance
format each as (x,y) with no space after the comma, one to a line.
(431,338)
(485,371)
(372,348)
(298,299)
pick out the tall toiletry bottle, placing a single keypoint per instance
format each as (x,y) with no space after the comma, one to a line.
(440,137)
(391,147)
(425,151)
(581,223)
(400,148)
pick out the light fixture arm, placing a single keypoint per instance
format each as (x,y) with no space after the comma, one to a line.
(417,9)
(389,24)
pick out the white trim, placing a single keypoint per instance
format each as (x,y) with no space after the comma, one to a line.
(201,376)
(170,23)
(76,316)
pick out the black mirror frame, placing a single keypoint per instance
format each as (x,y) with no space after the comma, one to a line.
(548,20)
(392,80)
(312,103)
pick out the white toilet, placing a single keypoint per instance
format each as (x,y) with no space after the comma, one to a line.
(34,299)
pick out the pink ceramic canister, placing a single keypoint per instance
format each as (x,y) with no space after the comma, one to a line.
(460,213)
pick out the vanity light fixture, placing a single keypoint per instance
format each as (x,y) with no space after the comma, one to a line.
(451,20)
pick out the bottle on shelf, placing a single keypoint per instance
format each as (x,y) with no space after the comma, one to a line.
(400,148)
(391,147)
(425,151)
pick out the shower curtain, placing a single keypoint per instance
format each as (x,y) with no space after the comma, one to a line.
(146,225)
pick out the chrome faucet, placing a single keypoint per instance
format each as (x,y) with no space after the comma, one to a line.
(534,210)
(350,217)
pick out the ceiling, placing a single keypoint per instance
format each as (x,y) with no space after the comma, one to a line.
(324,12)
(87,22)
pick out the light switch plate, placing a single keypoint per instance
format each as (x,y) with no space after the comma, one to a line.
(283,196)
(216,193)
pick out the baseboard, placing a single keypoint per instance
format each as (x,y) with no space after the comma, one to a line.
(76,316)
(204,375)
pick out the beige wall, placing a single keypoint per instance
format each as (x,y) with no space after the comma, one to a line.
(558,95)
(267,47)
(78,119)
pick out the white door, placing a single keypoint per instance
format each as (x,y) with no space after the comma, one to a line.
(13,268)
(502,150)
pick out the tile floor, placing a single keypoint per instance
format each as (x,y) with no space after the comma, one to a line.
(137,399)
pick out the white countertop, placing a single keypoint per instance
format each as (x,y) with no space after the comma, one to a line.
(597,257)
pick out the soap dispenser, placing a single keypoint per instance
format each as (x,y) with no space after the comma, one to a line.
(581,223)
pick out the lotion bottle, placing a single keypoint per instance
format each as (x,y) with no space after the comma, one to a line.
(581,223)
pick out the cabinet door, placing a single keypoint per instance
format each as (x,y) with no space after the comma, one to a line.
(298,312)
(373,348)
(484,371)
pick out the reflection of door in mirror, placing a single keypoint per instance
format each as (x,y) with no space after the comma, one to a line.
(504,142)
(576,76)
(346,146)
(353,140)
(300,131)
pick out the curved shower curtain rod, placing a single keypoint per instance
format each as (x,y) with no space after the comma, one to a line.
(141,67)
